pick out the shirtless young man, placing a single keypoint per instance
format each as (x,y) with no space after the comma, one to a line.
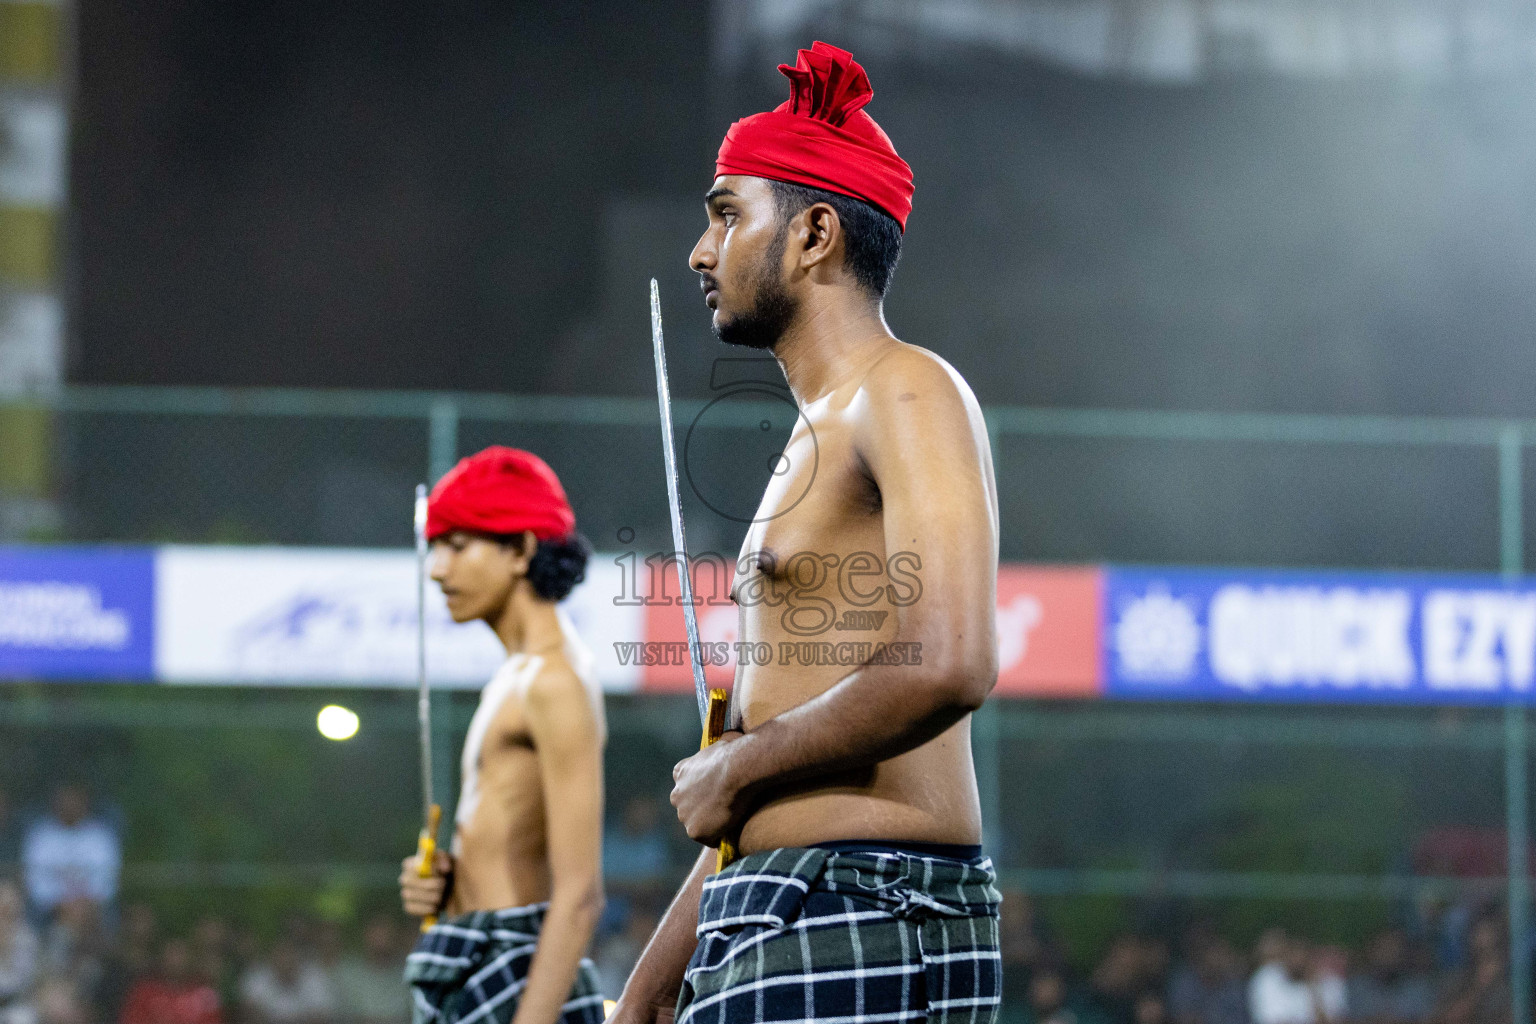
(861,893)
(521,893)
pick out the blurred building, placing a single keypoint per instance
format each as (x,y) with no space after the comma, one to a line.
(33,136)
(1166,40)
(32,144)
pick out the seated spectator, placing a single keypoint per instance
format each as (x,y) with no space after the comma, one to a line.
(1023,946)
(76,946)
(59,1002)
(1119,980)
(131,958)
(1480,992)
(615,956)
(10,839)
(174,994)
(211,959)
(287,989)
(1156,958)
(1050,1001)
(1023,939)
(70,855)
(18,958)
(1208,989)
(1290,987)
(1150,1008)
(1385,990)
(368,987)
(327,946)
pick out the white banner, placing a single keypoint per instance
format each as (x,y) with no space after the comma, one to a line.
(325,616)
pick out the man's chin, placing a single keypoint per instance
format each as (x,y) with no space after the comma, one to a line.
(731,332)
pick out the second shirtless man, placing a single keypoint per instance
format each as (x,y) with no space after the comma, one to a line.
(522,891)
(861,892)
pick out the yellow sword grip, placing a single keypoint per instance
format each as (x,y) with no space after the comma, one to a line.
(714,728)
(426,850)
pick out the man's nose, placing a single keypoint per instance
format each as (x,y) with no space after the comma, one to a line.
(703,256)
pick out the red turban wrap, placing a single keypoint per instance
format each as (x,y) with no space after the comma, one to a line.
(500,491)
(821,137)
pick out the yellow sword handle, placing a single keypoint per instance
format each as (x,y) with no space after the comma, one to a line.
(714,728)
(426,850)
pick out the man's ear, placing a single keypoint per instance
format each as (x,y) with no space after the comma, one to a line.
(523,554)
(820,235)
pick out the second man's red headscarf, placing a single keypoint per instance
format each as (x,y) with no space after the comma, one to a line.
(500,491)
(821,137)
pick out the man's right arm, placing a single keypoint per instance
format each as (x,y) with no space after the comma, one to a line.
(650,994)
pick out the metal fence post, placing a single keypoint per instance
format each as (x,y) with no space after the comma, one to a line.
(442,438)
(1511,562)
(987,735)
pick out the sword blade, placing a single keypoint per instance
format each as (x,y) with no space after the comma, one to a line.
(675,506)
(423,693)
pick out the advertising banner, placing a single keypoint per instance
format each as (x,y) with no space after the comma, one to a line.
(81,613)
(315,616)
(1318,636)
(1048,636)
(326,616)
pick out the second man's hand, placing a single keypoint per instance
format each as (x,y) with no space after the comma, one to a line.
(709,792)
(424,897)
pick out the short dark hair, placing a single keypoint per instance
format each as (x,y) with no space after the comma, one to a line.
(556,566)
(871,237)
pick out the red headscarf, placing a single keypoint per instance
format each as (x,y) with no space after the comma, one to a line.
(500,491)
(821,137)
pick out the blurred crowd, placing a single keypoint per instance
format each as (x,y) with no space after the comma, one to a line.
(71,954)
(1450,966)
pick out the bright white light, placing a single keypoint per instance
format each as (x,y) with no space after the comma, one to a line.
(608,1005)
(336,722)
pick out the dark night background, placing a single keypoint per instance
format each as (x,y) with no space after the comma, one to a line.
(471,197)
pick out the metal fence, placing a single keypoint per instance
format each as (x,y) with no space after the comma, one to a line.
(1080,799)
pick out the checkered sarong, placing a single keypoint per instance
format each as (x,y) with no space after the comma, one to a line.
(845,938)
(471,969)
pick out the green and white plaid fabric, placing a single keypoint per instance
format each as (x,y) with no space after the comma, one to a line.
(471,969)
(835,937)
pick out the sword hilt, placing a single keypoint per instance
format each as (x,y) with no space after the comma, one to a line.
(714,728)
(426,850)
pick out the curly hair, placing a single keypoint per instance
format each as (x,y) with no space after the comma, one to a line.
(556,566)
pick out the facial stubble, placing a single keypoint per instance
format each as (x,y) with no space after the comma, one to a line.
(773,309)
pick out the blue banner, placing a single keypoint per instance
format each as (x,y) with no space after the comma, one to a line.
(78,613)
(1318,636)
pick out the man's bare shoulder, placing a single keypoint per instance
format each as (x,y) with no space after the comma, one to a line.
(559,697)
(909,373)
(555,682)
(910,380)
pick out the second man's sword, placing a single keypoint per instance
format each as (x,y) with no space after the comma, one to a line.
(431,813)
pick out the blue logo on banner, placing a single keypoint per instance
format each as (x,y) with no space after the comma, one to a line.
(76,613)
(1318,636)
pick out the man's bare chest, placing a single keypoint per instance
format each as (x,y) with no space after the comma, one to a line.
(499,728)
(819,533)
